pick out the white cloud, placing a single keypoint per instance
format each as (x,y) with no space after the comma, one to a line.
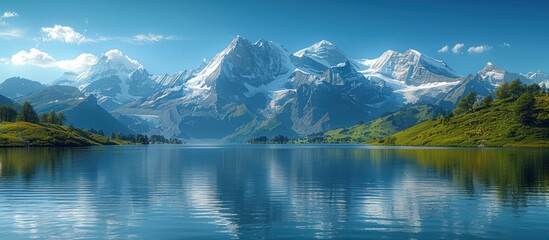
(79,64)
(457,48)
(443,49)
(9,14)
(11,34)
(479,49)
(506,45)
(35,57)
(62,33)
(151,38)
(4,61)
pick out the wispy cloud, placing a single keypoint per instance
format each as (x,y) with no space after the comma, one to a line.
(9,14)
(443,49)
(457,48)
(152,38)
(36,57)
(5,15)
(479,49)
(506,45)
(68,34)
(64,34)
(13,33)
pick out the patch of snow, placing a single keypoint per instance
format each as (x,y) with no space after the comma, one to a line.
(365,63)
(275,85)
(278,100)
(411,93)
(154,120)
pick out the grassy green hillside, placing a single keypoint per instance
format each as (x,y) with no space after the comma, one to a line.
(497,125)
(379,128)
(21,134)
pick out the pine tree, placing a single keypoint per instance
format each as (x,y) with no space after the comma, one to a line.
(43,118)
(487,100)
(534,88)
(139,138)
(502,92)
(524,108)
(60,119)
(466,103)
(516,88)
(27,114)
(7,114)
(52,118)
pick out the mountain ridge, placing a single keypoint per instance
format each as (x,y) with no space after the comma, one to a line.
(257,87)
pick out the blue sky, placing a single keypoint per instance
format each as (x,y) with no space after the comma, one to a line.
(168,36)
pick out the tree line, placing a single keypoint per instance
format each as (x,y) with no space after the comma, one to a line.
(522,95)
(280,139)
(141,138)
(138,138)
(27,114)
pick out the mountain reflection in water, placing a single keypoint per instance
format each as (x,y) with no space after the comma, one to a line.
(265,191)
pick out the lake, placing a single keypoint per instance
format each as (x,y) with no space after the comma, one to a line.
(274,192)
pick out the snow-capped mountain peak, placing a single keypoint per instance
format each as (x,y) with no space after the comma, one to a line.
(489,67)
(413,51)
(537,76)
(112,63)
(318,47)
(325,43)
(214,64)
(237,42)
(116,56)
(411,68)
(115,79)
(323,52)
(318,57)
(252,66)
(496,75)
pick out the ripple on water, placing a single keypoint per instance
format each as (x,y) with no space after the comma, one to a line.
(287,192)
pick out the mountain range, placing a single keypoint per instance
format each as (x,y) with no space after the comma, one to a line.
(258,88)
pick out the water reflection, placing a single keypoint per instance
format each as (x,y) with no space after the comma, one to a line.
(272,192)
(514,173)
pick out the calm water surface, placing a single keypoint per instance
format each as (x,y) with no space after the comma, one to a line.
(282,192)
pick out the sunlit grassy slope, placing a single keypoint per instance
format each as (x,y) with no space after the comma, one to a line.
(496,125)
(20,134)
